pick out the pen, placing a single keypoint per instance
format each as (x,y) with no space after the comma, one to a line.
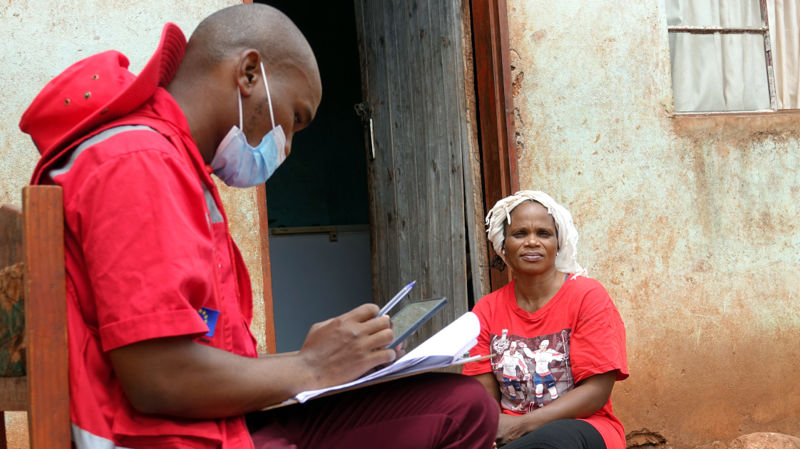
(400,295)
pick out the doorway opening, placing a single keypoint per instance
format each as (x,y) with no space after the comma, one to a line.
(317,201)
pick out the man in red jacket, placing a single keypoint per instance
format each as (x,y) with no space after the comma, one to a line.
(159,300)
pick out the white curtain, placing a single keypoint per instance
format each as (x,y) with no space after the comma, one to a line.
(784,31)
(718,72)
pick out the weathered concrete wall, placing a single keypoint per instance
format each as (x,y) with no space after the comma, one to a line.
(43,38)
(691,223)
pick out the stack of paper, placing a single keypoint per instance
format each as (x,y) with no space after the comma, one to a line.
(447,347)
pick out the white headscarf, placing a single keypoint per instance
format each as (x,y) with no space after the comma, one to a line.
(500,215)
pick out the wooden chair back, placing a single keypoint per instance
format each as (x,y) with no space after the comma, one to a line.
(32,242)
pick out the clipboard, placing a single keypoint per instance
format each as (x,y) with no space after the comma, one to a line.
(447,347)
(292,401)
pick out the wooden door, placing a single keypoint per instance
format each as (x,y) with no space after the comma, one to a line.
(420,144)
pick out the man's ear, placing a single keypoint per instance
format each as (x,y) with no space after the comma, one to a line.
(248,71)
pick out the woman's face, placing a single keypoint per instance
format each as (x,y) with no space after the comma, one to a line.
(531,243)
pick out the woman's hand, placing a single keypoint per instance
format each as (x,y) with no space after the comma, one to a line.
(511,427)
(585,399)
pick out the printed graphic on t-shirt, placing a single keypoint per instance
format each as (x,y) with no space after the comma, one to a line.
(532,372)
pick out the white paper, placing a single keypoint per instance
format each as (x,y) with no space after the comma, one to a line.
(444,348)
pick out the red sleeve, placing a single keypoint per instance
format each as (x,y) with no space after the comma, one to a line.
(597,344)
(147,246)
(482,309)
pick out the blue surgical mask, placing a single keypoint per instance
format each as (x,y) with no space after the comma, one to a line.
(240,165)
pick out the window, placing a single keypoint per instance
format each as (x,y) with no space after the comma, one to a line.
(734,55)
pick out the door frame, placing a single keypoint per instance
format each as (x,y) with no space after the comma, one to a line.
(495,112)
(495,102)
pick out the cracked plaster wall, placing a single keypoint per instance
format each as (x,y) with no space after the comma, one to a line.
(691,223)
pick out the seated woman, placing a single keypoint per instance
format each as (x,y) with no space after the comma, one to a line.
(557,340)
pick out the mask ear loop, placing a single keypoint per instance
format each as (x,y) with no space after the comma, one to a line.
(269,98)
(239,93)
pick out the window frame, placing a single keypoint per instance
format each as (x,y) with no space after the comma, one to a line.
(769,62)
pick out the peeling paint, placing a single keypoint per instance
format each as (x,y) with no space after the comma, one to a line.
(691,222)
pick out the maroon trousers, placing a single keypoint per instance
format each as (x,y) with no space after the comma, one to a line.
(428,411)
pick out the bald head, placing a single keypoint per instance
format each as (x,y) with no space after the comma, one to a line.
(239,27)
(222,66)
